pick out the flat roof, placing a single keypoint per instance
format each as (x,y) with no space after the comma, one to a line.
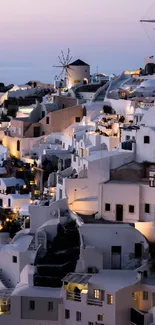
(114,280)
(26,291)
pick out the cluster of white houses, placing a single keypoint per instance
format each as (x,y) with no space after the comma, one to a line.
(85,258)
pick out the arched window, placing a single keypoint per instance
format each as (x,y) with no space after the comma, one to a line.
(18,145)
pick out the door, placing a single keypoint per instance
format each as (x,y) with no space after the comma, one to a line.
(36,131)
(119,212)
(116,257)
(138,250)
(153,299)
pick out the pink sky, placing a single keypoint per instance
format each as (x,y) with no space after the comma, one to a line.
(102,32)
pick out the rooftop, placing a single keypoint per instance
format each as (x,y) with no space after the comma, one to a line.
(79,63)
(12,181)
(114,280)
(26,291)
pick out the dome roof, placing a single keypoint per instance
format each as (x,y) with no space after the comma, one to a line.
(149,117)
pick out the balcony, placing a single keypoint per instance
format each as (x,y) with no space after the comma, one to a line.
(73,296)
(94,302)
(5,309)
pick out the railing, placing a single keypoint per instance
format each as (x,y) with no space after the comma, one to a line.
(5,309)
(94,302)
(73,296)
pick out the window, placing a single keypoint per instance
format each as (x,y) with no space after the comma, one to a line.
(18,145)
(43,114)
(14,259)
(127,137)
(145,295)
(146,139)
(32,305)
(77,119)
(90,323)
(78,316)
(131,209)
(50,305)
(107,207)
(9,203)
(100,318)
(109,299)
(96,294)
(147,208)
(47,120)
(67,313)
(60,194)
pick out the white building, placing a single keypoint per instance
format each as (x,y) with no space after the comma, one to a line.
(13,194)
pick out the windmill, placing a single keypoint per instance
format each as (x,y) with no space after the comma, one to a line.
(64,62)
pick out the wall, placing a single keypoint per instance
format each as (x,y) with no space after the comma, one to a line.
(66,116)
(26,144)
(64,101)
(19,127)
(40,214)
(119,193)
(78,73)
(122,107)
(124,303)
(144,151)
(147,229)
(98,235)
(29,133)
(16,203)
(41,309)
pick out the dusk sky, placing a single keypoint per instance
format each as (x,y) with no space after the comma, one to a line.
(104,33)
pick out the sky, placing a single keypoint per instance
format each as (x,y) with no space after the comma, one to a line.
(104,33)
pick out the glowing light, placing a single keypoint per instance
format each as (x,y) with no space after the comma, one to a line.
(1,227)
(7,219)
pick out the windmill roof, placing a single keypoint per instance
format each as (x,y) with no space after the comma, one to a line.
(79,63)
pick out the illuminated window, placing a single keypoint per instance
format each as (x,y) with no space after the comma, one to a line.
(100,318)
(96,294)
(109,299)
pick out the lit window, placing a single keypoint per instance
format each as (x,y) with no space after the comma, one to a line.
(50,305)
(100,318)
(145,295)
(32,305)
(96,294)
(109,299)
(107,207)
(131,209)
(78,316)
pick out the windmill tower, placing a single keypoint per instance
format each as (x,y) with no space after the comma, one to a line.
(72,72)
(63,77)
